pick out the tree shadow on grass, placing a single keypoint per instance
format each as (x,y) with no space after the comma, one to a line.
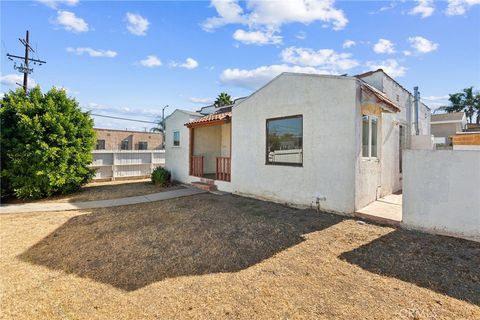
(133,246)
(443,264)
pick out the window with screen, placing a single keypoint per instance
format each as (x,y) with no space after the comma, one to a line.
(143,145)
(176,138)
(285,141)
(124,145)
(100,145)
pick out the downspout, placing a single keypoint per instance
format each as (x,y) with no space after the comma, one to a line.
(416,100)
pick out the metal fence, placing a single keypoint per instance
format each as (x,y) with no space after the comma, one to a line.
(113,164)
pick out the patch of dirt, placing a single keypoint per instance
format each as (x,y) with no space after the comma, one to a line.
(104,191)
(229,257)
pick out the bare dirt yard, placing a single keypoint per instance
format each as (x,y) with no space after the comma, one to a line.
(228,257)
(104,191)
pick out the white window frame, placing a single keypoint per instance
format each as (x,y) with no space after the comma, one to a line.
(370,117)
(173,139)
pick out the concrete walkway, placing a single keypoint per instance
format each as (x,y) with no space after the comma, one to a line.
(385,210)
(64,206)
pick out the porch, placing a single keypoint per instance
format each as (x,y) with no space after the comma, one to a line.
(210,147)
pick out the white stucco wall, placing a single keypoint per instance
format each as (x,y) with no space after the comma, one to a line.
(225,140)
(441,192)
(177,158)
(207,143)
(327,104)
(390,179)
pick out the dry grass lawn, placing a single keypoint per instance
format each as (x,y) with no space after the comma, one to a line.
(104,191)
(228,257)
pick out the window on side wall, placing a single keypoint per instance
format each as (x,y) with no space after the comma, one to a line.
(124,145)
(176,138)
(100,145)
(369,136)
(143,145)
(285,141)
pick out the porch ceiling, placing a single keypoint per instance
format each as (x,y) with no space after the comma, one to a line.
(211,119)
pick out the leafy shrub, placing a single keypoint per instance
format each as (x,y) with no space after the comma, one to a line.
(46,143)
(161,176)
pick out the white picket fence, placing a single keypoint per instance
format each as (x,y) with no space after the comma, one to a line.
(112,164)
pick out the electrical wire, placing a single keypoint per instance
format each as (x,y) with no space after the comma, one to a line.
(120,118)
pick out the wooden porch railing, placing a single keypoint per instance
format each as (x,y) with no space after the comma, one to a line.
(223,169)
(196,166)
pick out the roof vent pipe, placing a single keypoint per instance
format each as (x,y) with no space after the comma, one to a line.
(416,101)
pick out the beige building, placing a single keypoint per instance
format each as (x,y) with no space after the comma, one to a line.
(445,125)
(111,139)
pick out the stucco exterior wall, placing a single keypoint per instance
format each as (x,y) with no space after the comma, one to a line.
(113,139)
(207,143)
(441,193)
(177,157)
(390,176)
(225,143)
(327,104)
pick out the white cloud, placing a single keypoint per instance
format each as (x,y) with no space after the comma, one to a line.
(254,78)
(12,79)
(151,62)
(137,24)
(302,35)
(388,7)
(229,11)
(273,14)
(348,44)
(328,59)
(201,100)
(407,52)
(55,3)
(422,45)
(435,102)
(390,66)
(424,8)
(71,22)
(460,7)
(189,63)
(384,46)
(93,52)
(257,37)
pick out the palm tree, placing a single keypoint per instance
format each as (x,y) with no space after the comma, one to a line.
(466,101)
(223,99)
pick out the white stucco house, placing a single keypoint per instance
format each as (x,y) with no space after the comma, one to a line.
(302,138)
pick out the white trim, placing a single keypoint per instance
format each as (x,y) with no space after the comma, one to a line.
(446,121)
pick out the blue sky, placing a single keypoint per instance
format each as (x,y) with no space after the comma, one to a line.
(130,58)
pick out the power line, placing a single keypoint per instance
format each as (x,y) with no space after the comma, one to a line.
(120,118)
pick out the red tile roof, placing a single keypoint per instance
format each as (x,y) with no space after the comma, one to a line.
(214,117)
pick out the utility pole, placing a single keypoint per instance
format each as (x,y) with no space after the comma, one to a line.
(163,125)
(24,67)
(416,95)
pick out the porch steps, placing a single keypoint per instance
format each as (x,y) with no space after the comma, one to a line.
(204,186)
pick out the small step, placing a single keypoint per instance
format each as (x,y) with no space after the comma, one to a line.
(207,181)
(204,186)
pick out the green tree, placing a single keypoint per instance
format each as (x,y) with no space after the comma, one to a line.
(46,143)
(223,99)
(466,101)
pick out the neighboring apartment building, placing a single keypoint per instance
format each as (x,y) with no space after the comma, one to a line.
(303,139)
(446,125)
(111,139)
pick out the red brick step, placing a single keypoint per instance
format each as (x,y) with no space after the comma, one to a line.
(204,186)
